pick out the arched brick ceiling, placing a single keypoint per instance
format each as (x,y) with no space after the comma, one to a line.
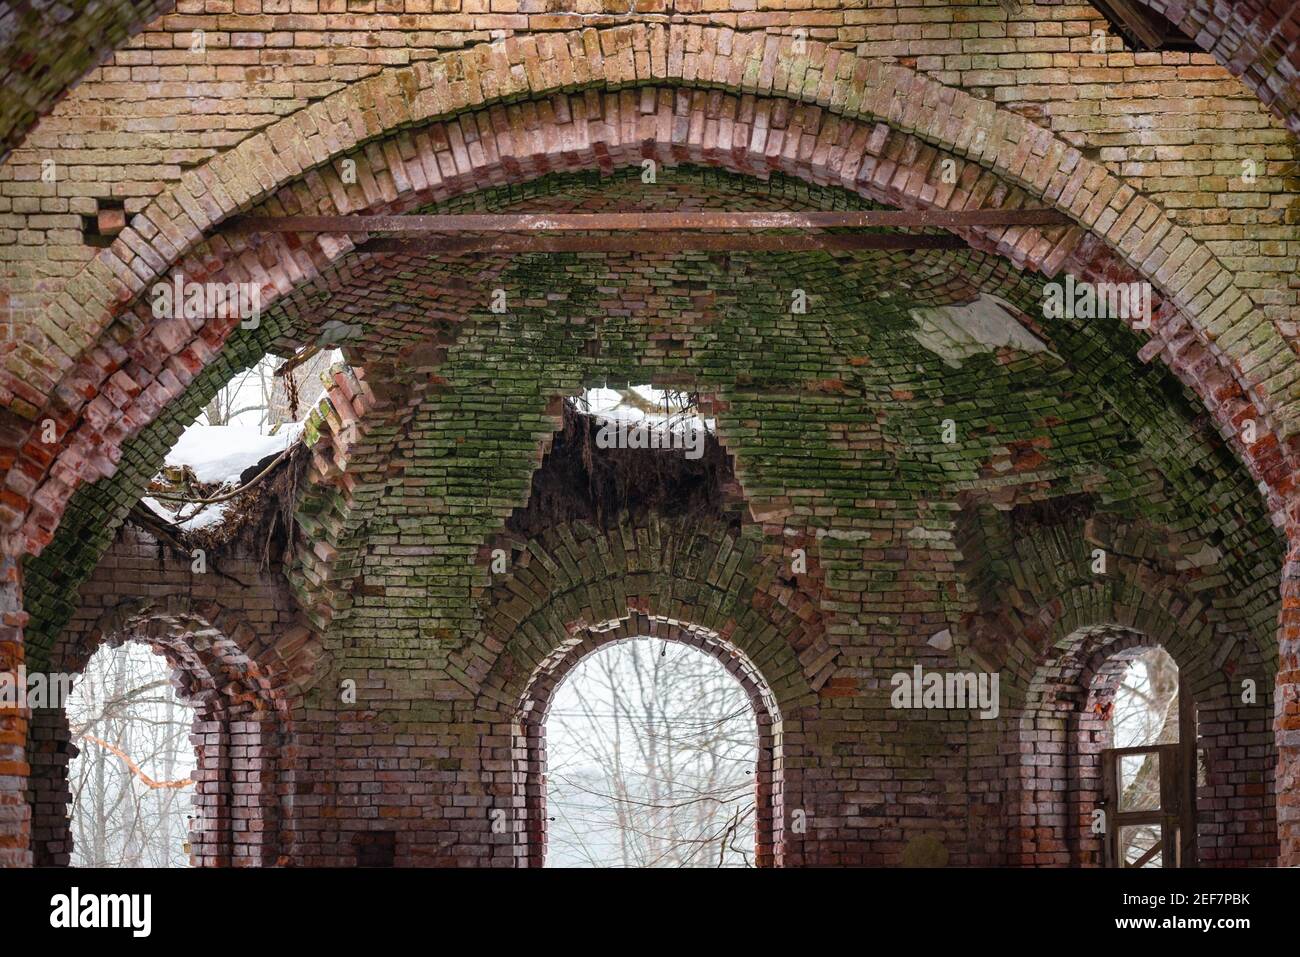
(1201,284)
(1082,416)
(46,47)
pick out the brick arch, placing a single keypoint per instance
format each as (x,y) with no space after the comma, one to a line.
(1003,159)
(1060,721)
(658,566)
(1056,733)
(1132,602)
(93,444)
(1255,42)
(1259,43)
(577,588)
(1061,626)
(236,656)
(535,703)
(1053,593)
(241,714)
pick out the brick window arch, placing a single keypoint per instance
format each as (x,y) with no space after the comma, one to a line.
(1065,726)
(529,727)
(236,733)
(1102,765)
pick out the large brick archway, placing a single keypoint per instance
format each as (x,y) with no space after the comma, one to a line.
(507,112)
(1254,41)
(1068,623)
(1199,293)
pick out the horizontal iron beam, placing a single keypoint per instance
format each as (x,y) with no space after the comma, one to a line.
(651,222)
(657,243)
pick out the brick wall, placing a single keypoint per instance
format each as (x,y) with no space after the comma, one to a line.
(426,452)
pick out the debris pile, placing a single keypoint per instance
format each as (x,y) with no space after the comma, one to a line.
(216,481)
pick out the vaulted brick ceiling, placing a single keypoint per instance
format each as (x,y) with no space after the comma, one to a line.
(840,408)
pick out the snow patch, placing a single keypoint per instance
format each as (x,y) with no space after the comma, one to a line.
(954,333)
(645,404)
(221,453)
(157,507)
(207,517)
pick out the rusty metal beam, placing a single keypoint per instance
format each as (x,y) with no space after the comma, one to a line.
(661,242)
(647,222)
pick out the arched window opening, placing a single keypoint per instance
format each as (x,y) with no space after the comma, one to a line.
(1150,770)
(130,782)
(651,758)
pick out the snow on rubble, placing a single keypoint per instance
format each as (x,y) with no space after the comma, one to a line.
(204,483)
(221,453)
(208,460)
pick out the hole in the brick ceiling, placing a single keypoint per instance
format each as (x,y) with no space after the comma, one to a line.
(1053,511)
(581,479)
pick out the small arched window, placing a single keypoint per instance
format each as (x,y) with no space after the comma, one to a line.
(652,748)
(1149,772)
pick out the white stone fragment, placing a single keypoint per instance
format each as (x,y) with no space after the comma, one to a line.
(955,333)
